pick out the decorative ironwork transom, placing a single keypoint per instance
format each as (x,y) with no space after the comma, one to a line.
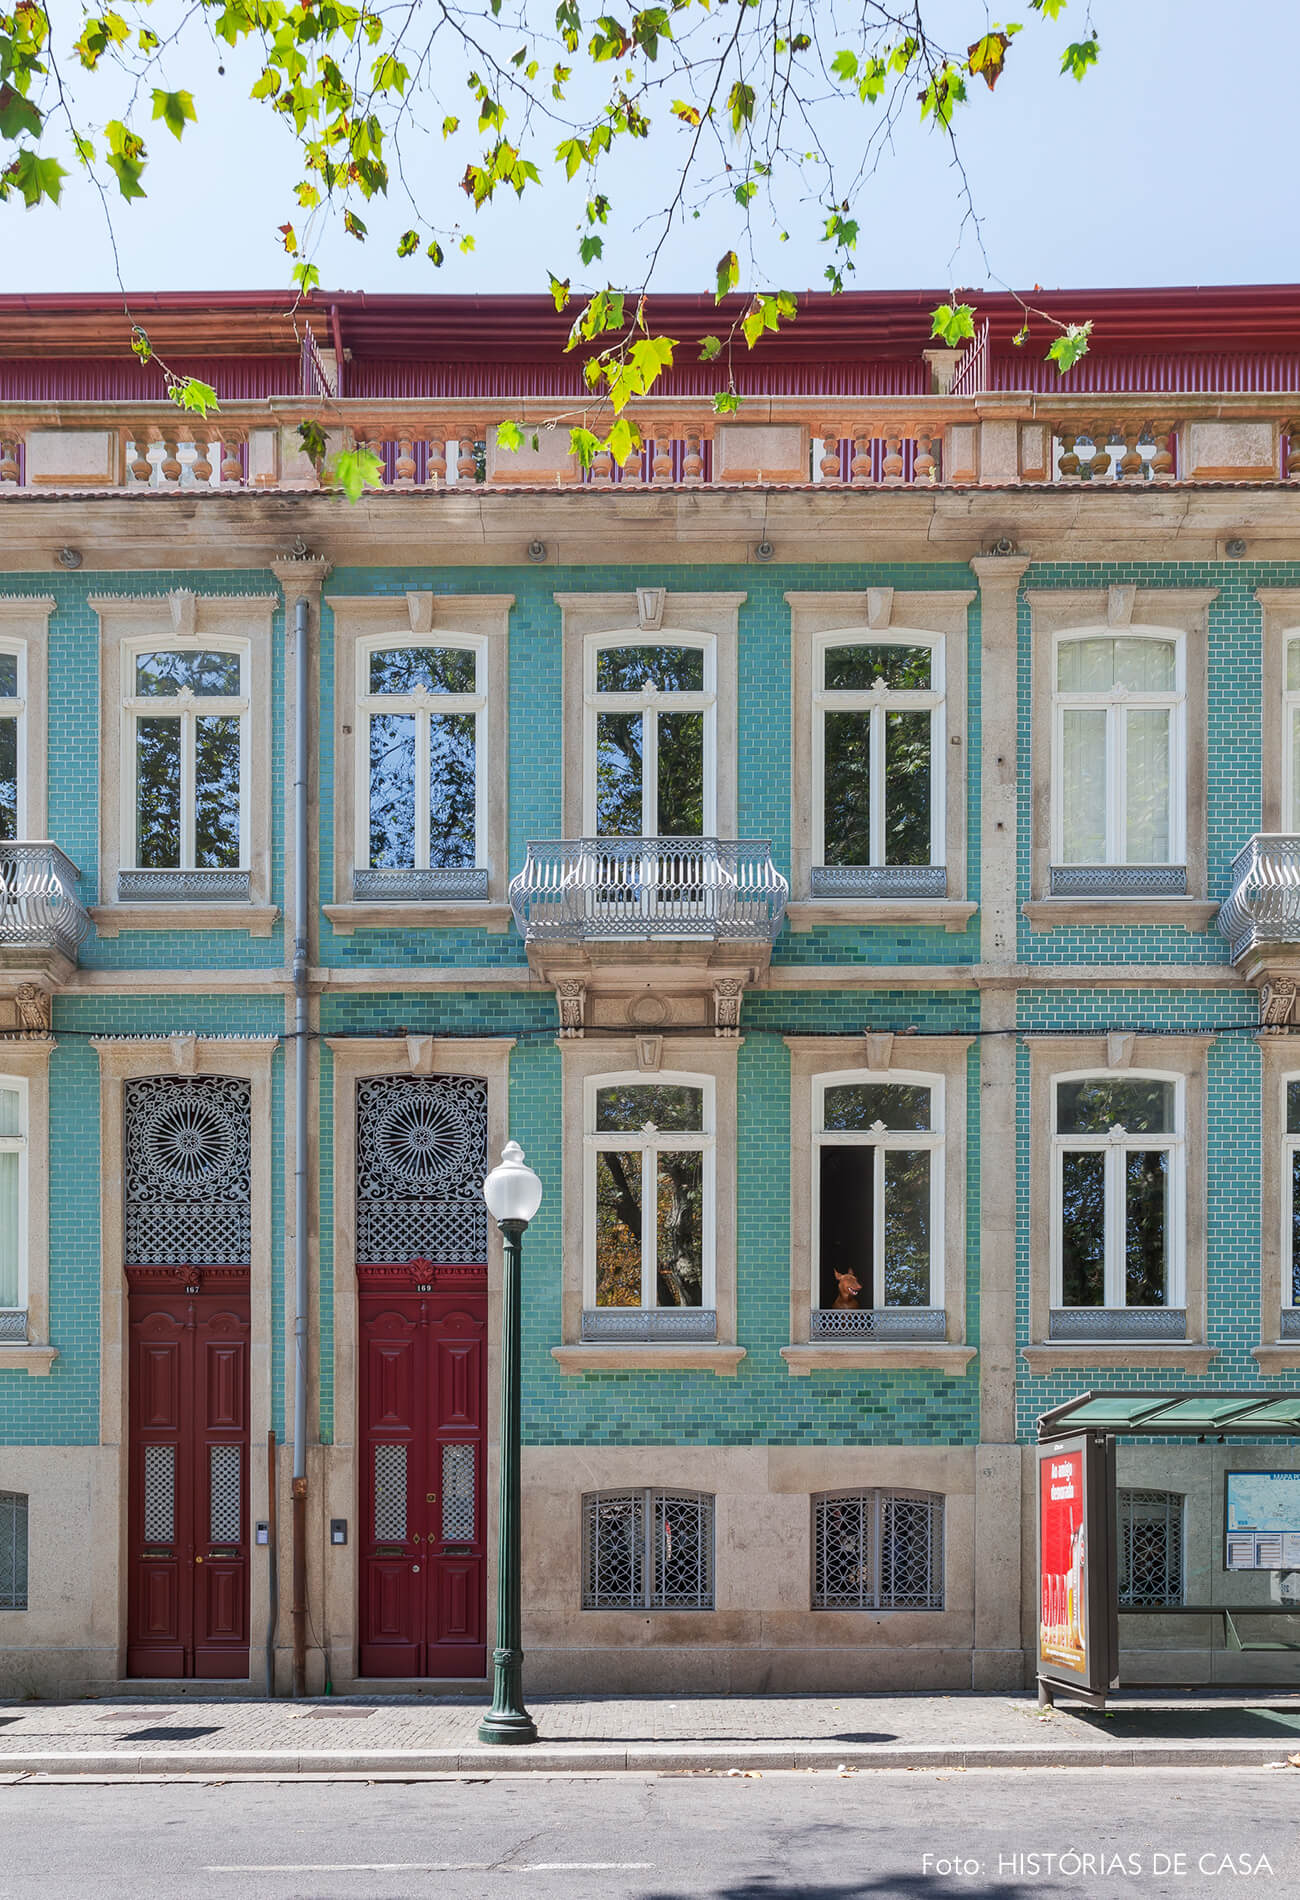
(880,1322)
(623,1323)
(1117,1322)
(188,1171)
(421,1159)
(879,880)
(13,1550)
(1149,1548)
(225,1514)
(647,1550)
(878,1550)
(390,1494)
(159,1494)
(458,1513)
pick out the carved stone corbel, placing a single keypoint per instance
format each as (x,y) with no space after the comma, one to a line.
(571,996)
(1119,1049)
(649,1054)
(650,608)
(185,1053)
(880,1049)
(1277,1004)
(728,993)
(421,1053)
(33,1005)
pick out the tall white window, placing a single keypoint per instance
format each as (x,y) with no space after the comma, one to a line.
(13,762)
(13,1204)
(1120,706)
(1291,1207)
(649,1208)
(187,717)
(878,1206)
(1118,1188)
(422,758)
(1291,737)
(878,759)
(651,738)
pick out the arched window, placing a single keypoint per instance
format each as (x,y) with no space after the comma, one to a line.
(1118,760)
(647,1550)
(878,1213)
(878,1550)
(649,1207)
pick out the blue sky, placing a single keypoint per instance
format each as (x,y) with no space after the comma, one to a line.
(1173,163)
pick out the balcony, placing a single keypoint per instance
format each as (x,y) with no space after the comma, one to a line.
(664,932)
(580,890)
(42,918)
(1263,909)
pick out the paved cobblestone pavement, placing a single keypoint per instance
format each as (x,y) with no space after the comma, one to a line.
(116,1734)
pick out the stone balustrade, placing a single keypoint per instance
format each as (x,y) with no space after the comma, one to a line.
(854,442)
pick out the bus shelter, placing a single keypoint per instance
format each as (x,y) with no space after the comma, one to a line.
(1078,1589)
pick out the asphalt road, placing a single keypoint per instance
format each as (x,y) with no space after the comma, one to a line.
(1024,1834)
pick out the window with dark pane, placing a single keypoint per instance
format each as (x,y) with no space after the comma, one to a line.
(878,707)
(647,1550)
(188,759)
(875,1198)
(1116,1146)
(653,715)
(10,715)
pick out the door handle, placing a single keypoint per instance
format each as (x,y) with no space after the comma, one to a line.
(198,1560)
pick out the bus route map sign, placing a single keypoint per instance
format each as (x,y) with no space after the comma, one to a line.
(1076,1614)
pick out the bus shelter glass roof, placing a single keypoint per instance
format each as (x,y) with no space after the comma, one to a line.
(1176,1414)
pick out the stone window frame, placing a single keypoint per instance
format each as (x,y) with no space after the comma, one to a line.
(28,1062)
(939,617)
(1113,612)
(1280,613)
(1176,1058)
(25,630)
(696,1057)
(1279,1064)
(933,1140)
(706,1144)
(650,617)
(130,1058)
(182,620)
(934,1059)
(415,619)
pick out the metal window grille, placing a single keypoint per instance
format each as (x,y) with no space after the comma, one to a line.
(421,1159)
(1150,1548)
(225,1494)
(458,1513)
(390,1494)
(159,1494)
(647,1550)
(13,1550)
(878,1550)
(188,1171)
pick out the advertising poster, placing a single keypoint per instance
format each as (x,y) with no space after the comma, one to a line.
(1074,1557)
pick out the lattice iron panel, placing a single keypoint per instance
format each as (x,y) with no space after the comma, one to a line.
(878,1550)
(390,1494)
(647,1323)
(13,1324)
(13,1550)
(1149,1548)
(1117,1322)
(225,1493)
(188,1171)
(1290,1322)
(421,1159)
(159,1494)
(421,887)
(459,1516)
(879,880)
(880,1322)
(1118,880)
(647,1550)
(183,887)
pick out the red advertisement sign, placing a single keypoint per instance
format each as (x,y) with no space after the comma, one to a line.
(1063,1560)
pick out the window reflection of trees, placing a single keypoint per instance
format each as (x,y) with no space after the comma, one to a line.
(1096,1106)
(906,790)
(677,1236)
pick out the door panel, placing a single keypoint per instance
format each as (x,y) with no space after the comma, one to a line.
(187,1507)
(422,1548)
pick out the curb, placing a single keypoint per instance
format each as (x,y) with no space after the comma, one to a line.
(574,1758)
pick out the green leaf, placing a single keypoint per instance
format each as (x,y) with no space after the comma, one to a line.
(624,439)
(952,323)
(408,244)
(510,436)
(845,65)
(726,402)
(1050,9)
(584,445)
(17,115)
(987,56)
(355,470)
(34,177)
(1066,350)
(434,251)
(140,344)
(591,247)
(174,109)
(1078,57)
(710,347)
(728,274)
(354,227)
(559,290)
(190,394)
(312,437)
(306,276)
(740,104)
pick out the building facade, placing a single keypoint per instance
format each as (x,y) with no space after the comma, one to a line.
(852,848)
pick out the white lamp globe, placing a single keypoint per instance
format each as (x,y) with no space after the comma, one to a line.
(512,1191)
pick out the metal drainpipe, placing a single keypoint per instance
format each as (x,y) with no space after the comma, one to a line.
(300,1152)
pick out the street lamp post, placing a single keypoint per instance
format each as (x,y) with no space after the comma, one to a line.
(513,1194)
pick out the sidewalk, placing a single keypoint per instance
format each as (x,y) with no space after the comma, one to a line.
(412,1736)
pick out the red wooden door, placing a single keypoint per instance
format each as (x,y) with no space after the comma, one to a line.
(187,1505)
(422,1546)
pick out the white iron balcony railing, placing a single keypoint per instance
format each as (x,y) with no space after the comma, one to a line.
(1264,906)
(39,905)
(578,889)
